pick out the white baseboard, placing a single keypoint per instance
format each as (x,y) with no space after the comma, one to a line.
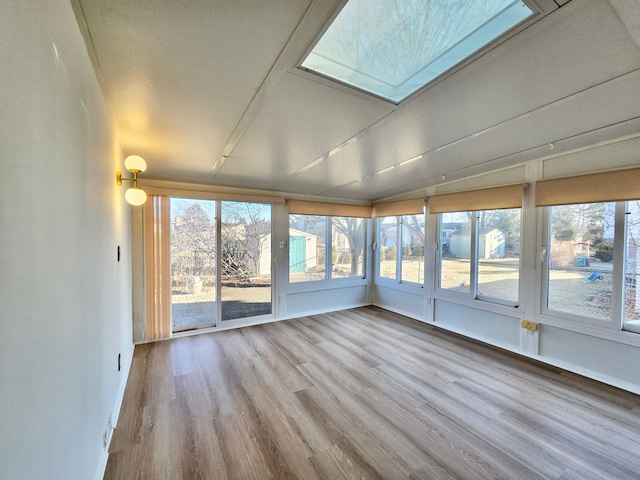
(104,457)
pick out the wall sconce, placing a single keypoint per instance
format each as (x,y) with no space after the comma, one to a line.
(134,195)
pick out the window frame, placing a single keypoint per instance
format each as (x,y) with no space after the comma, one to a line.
(635,328)
(396,282)
(155,233)
(328,281)
(538,8)
(403,230)
(616,319)
(472,294)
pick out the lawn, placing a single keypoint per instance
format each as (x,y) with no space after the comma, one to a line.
(569,290)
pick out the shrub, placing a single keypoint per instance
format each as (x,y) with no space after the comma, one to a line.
(605,253)
(390,253)
(563,253)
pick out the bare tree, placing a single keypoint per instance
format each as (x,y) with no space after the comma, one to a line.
(415,225)
(245,228)
(392,40)
(192,244)
(353,230)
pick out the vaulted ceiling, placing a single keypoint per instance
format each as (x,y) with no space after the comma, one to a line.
(209,92)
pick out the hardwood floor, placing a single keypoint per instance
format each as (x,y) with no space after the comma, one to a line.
(368,394)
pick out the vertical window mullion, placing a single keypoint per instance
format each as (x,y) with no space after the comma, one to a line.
(328,260)
(545,258)
(376,247)
(218,261)
(474,255)
(619,266)
(399,228)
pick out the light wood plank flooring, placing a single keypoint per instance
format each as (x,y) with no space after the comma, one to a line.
(364,394)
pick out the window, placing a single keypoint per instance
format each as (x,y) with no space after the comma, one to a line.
(347,247)
(580,263)
(480,254)
(499,254)
(325,247)
(632,263)
(593,227)
(242,288)
(307,247)
(387,229)
(393,48)
(412,234)
(193,263)
(585,279)
(455,251)
(401,248)
(245,260)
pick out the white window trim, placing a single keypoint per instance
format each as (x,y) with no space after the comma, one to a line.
(397,283)
(472,297)
(573,321)
(330,283)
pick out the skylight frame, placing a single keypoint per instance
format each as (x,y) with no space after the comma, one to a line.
(533,6)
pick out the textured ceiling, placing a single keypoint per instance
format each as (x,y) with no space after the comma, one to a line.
(208,92)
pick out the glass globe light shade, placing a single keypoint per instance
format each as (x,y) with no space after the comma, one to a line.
(135,196)
(135,163)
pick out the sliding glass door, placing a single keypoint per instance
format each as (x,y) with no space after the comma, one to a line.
(245,258)
(220,259)
(193,263)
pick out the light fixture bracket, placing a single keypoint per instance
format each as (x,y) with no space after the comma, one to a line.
(120,178)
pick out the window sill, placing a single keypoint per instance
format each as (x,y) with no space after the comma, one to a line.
(415,288)
(633,326)
(466,300)
(312,286)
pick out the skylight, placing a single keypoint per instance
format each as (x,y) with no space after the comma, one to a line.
(391,48)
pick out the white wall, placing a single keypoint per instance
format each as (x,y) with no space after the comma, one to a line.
(405,301)
(65,302)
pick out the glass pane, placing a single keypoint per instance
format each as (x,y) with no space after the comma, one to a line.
(347,247)
(193,263)
(307,248)
(393,48)
(499,254)
(387,253)
(455,251)
(413,248)
(245,249)
(581,259)
(632,263)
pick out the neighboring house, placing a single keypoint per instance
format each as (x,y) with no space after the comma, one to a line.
(390,233)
